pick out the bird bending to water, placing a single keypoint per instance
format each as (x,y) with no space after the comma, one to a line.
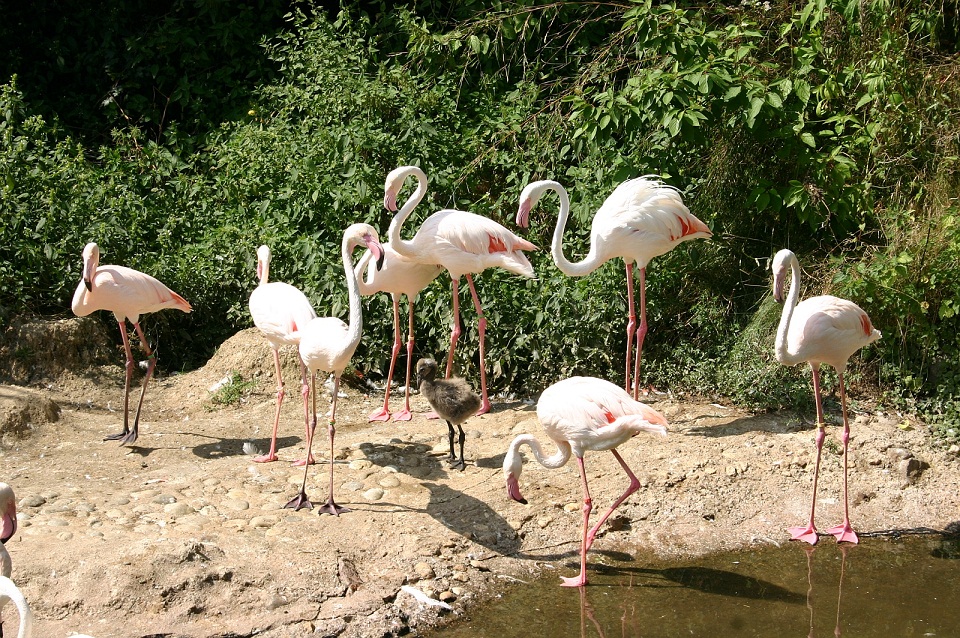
(582,414)
(463,243)
(127,293)
(327,344)
(643,218)
(280,311)
(452,399)
(399,276)
(818,330)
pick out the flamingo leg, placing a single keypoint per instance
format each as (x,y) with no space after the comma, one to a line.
(641,333)
(455,327)
(633,487)
(844,531)
(272,454)
(126,386)
(631,323)
(460,463)
(301,500)
(482,334)
(131,436)
(331,507)
(383,414)
(581,580)
(808,533)
(405,414)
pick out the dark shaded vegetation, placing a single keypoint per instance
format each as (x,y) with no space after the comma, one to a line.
(181,135)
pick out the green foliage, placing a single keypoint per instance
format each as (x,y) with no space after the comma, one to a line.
(828,127)
(233,392)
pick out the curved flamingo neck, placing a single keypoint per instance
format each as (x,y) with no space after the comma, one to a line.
(552,462)
(782,353)
(572,269)
(364,275)
(8,589)
(403,247)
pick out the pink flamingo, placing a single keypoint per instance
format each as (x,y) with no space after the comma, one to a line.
(463,243)
(128,294)
(8,527)
(279,310)
(581,414)
(642,219)
(327,344)
(399,276)
(819,330)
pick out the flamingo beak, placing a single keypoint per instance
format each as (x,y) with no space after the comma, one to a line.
(8,524)
(375,249)
(778,280)
(523,215)
(390,201)
(86,282)
(513,489)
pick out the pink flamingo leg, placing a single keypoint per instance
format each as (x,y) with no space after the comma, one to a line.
(633,487)
(581,580)
(809,532)
(844,532)
(482,332)
(454,334)
(331,507)
(272,454)
(641,333)
(126,386)
(405,414)
(129,437)
(383,414)
(300,501)
(631,323)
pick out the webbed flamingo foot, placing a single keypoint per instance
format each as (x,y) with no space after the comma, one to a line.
(806,534)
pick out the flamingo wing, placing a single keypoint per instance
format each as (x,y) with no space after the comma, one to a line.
(465,242)
(127,293)
(828,329)
(325,344)
(280,311)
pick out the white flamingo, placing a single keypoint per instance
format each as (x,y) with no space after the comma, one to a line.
(398,276)
(463,243)
(643,218)
(8,527)
(582,414)
(279,310)
(817,330)
(327,344)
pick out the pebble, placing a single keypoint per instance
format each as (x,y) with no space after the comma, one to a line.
(263,522)
(178,509)
(447,596)
(352,486)
(389,481)
(33,500)
(236,504)
(360,464)
(373,494)
(424,571)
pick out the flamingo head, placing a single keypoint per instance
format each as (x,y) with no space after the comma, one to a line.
(263,263)
(366,235)
(91,259)
(528,199)
(8,513)
(392,187)
(512,466)
(779,266)
(426,370)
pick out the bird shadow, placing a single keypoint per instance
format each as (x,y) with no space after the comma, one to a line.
(219,447)
(471,518)
(758,423)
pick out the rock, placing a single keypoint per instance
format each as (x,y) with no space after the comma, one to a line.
(447,596)
(424,571)
(33,500)
(910,469)
(178,509)
(373,494)
(389,481)
(898,453)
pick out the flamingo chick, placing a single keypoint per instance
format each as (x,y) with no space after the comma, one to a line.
(398,276)
(582,414)
(127,293)
(452,399)
(643,218)
(279,310)
(818,330)
(463,243)
(327,344)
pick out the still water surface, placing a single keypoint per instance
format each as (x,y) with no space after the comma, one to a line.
(881,587)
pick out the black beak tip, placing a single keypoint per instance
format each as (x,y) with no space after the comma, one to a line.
(380,261)
(86,282)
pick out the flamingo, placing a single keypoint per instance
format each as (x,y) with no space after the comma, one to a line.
(279,310)
(828,330)
(128,294)
(10,591)
(8,527)
(453,401)
(463,243)
(399,276)
(643,218)
(327,344)
(581,414)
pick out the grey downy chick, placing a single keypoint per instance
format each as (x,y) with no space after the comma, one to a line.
(452,399)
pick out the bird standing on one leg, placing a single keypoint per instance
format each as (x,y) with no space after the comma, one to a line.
(452,399)
(817,330)
(128,294)
(581,414)
(280,311)
(643,218)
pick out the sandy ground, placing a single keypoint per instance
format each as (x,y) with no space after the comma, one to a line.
(183,535)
